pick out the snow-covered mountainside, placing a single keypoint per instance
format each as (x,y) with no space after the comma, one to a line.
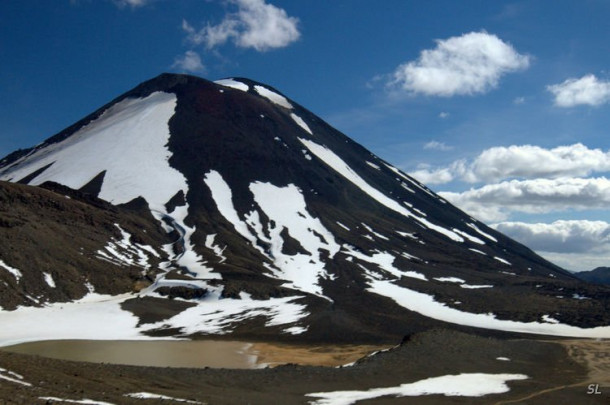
(259,220)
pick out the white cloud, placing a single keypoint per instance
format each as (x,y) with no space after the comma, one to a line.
(426,176)
(443,115)
(465,65)
(587,90)
(519,100)
(438,146)
(496,202)
(527,162)
(189,62)
(255,24)
(575,245)
(575,236)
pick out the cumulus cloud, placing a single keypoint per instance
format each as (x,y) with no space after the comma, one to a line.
(588,90)
(527,162)
(427,176)
(465,65)
(574,236)
(189,62)
(575,245)
(495,202)
(255,24)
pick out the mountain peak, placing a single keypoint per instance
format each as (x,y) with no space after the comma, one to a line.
(280,224)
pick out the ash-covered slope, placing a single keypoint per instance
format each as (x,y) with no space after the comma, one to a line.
(283,226)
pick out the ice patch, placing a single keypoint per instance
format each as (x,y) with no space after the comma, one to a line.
(301,123)
(16,273)
(426,305)
(234,84)
(502,358)
(478,251)
(336,163)
(462,385)
(273,96)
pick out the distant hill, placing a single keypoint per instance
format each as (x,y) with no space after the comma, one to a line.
(600,275)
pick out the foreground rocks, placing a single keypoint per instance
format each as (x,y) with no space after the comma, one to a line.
(555,376)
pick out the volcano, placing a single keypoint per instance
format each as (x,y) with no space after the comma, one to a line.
(190,208)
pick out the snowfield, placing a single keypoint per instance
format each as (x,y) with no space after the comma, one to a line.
(128,141)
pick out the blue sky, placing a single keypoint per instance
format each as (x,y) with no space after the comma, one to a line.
(502,107)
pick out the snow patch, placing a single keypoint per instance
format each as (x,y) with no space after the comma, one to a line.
(234,84)
(368,228)
(16,273)
(462,385)
(301,123)
(486,235)
(217,315)
(13,377)
(373,165)
(503,260)
(273,96)
(475,286)
(426,305)
(450,280)
(49,280)
(469,237)
(75,401)
(209,243)
(384,260)
(343,226)
(148,395)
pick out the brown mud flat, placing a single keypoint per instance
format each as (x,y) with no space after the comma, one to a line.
(195,353)
(558,374)
(276,354)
